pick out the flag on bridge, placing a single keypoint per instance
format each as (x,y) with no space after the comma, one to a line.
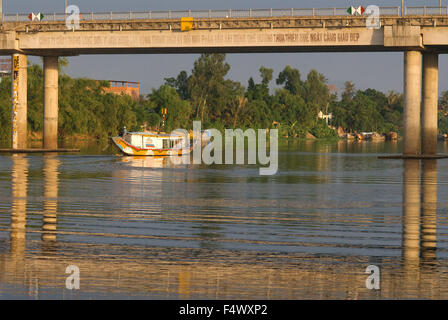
(353,11)
(36,17)
(360,10)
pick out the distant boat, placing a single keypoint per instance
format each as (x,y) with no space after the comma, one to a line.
(365,135)
(377,137)
(392,136)
(152,144)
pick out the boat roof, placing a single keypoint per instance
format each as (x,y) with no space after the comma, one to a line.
(159,135)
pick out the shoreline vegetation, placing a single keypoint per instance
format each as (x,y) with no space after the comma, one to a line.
(87,113)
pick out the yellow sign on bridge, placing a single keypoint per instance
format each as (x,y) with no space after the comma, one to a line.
(186,24)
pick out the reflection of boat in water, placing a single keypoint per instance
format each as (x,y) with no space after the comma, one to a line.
(155,162)
(153,144)
(146,162)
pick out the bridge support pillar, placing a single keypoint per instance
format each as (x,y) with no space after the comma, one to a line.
(412,102)
(51,74)
(19,89)
(429,107)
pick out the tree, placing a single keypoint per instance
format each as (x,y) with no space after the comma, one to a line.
(5,108)
(207,94)
(266,75)
(290,108)
(290,79)
(207,84)
(181,85)
(443,123)
(317,94)
(178,110)
(443,101)
(260,91)
(363,114)
(349,91)
(237,105)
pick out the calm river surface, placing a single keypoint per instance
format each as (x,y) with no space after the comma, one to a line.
(147,229)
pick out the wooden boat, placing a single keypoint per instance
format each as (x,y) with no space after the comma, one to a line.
(377,137)
(366,136)
(152,144)
(392,136)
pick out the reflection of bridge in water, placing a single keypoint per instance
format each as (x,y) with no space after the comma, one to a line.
(163,272)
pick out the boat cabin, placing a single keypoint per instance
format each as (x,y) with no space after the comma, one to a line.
(144,140)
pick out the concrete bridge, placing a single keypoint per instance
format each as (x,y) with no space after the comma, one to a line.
(420,32)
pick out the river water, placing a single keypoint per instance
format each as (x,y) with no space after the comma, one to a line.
(145,228)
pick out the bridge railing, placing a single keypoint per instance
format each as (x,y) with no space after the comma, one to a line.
(426,11)
(237,13)
(390,11)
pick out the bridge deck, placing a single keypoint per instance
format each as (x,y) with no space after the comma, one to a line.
(227,23)
(279,30)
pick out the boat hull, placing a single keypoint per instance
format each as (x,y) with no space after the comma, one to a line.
(131,150)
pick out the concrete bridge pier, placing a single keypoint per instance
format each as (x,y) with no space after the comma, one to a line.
(51,74)
(430,105)
(19,101)
(412,101)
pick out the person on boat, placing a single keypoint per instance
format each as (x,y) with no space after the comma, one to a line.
(123,132)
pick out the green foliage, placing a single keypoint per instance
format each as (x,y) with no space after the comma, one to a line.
(368,110)
(208,88)
(35,97)
(443,101)
(181,85)
(83,107)
(207,94)
(321,131)
(5,108)
(443,123)
(317,94)
(178,111)
(290,78)
(349,91)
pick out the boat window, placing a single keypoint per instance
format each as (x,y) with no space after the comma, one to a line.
(168,143)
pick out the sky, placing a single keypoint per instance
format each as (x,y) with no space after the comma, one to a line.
(381,71)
